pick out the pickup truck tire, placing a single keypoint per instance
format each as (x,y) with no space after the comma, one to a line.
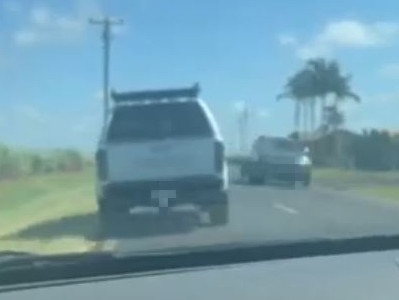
(109,220)
(307,180)
(106,224)
(219,212)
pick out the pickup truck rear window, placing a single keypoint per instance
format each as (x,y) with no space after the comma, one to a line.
(158,121)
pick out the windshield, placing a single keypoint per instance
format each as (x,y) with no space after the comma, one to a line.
(143,126)
(171,120)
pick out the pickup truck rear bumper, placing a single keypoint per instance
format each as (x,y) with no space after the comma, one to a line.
(197,190)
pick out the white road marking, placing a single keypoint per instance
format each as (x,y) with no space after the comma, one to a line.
(285,208)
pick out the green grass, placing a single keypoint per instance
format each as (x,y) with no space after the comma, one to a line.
(376,184)
(48,214)
(384,192)
(337,178)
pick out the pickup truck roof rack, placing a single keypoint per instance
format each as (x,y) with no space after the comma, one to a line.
(156,95)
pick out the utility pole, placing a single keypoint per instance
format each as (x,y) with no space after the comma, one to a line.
(106,23)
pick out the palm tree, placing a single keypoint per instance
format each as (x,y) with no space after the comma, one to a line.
(317,80)
(323,74)
(300,88)
(297,110)
(342,90)
(329,80)
(334,118)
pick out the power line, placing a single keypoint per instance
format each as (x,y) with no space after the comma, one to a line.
(106,24)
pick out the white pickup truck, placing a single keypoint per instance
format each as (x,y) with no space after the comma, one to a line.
(161,148)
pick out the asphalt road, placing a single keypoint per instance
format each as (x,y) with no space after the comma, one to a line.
(262,213)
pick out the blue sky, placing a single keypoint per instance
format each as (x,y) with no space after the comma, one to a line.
(239,51)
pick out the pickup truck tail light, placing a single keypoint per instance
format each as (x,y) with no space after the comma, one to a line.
(102,164)
(219,156)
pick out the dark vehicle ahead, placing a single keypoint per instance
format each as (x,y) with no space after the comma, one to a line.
(276,158)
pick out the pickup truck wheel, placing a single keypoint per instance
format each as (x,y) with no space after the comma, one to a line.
(307,180)
(109,220)
(106,223)
(219,212)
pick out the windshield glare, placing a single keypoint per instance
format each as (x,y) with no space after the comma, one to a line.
(143,126)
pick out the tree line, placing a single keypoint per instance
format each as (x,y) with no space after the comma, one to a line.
(319,88)
(373,150)
(16,163)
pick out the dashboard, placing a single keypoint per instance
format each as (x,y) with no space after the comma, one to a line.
(373,275)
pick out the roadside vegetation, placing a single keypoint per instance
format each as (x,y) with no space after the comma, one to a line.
(17,163)
(366,162)
(318,90)
(46,201)
(373,184)
(371,150)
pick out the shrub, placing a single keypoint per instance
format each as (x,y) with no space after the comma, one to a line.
(16,163)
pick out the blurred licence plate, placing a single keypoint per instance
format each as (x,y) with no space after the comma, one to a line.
(166,161)
(163,196)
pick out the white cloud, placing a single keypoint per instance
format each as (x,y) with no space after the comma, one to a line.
(357,34)
(345,34)
(26,37)
(46,25)
(287,39)
(390,71)
(313,50)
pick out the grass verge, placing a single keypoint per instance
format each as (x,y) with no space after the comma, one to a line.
(49,214)
(385,192)
(375,184)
